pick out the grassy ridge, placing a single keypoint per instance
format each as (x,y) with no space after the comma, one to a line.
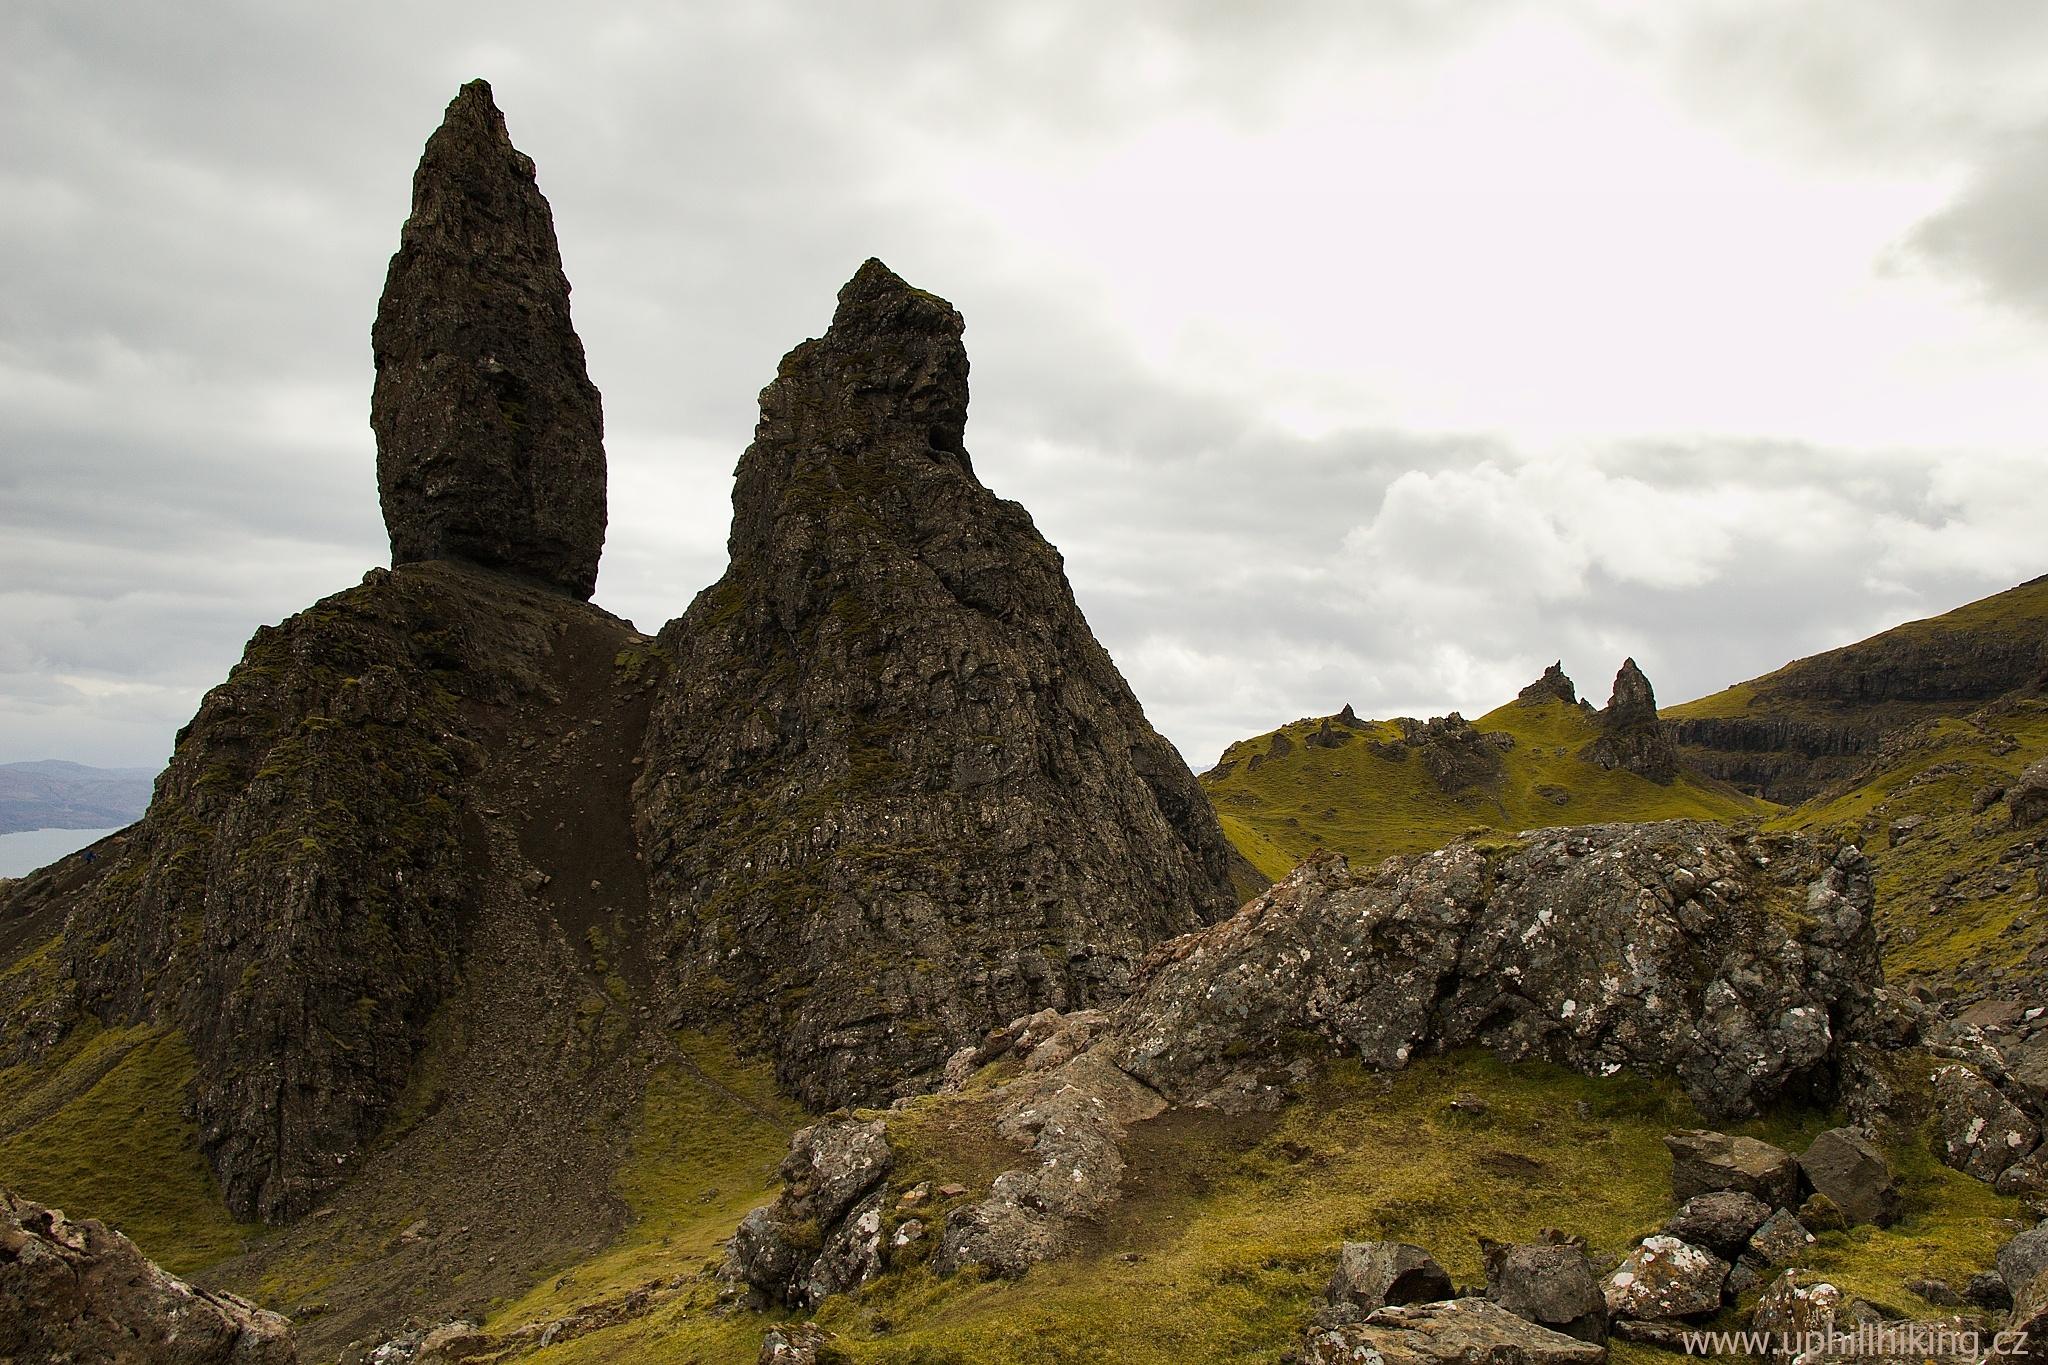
(1369,807)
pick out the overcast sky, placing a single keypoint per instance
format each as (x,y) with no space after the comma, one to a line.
(1369,353)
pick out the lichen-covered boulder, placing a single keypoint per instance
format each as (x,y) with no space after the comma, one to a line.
(1703,1161)
(81,1292)
(1663,1279)
(1794,1308)
(1782,1240)
(1982,1132)
(2027,797)
(823,1234)
(1459,1332)
(2024,1257)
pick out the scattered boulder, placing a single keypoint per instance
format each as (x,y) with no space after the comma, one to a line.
(1982,1132)
(82,1292)
(1782,1240)
(2027,1325)
(2026,1178)
(1372,1275)
(1987,1289)
(1719,1220)
(2024,1257)
(490,435)
(1550,1283)
(1845,1167)
(1792,1309)
(1821,1214)
(1459,1332)
(1703,1161)
(1663,1279)
(2027,797)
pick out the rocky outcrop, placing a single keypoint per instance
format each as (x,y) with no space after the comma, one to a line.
(1663,949)
(1630,736)
(1456,755)
(823,1233)
(2027,798)
(1743,966)
(896,794)
(490,436)
(80,1292)
(1552,686)
(1664,1279)
(298,897)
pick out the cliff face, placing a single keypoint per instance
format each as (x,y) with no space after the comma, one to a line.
(490,436)
(1790,734)
(895,792)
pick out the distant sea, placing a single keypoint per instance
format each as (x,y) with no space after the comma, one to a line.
(30,849)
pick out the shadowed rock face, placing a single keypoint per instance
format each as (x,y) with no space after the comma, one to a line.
(895,792)
(490,436)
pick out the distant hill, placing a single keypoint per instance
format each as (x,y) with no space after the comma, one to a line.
(1817,721)
(53,794)
(1369,789)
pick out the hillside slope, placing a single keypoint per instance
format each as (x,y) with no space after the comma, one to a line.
(1815,722)
(1372,789)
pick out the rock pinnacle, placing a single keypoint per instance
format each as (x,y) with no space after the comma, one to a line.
(490,435)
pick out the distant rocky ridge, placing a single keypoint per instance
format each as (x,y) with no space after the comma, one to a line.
(895,791)
(1791,733)
(53,794)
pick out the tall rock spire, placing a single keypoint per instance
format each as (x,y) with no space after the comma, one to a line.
(490,435)
(895,792)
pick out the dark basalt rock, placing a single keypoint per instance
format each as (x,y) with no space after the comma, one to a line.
(1454,754)
(1630,736)
(490,435)
(895,792)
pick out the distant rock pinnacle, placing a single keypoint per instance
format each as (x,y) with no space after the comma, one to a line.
(895,792)
(490,435)
(1631,736)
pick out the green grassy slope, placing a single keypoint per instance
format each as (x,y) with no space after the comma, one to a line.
(1368,807)
(100,1131)
(1958,896)
(1230,1226)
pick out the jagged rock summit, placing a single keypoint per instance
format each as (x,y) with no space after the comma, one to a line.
(1631,736)
(896,793)
(1552,686)
(490,435)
